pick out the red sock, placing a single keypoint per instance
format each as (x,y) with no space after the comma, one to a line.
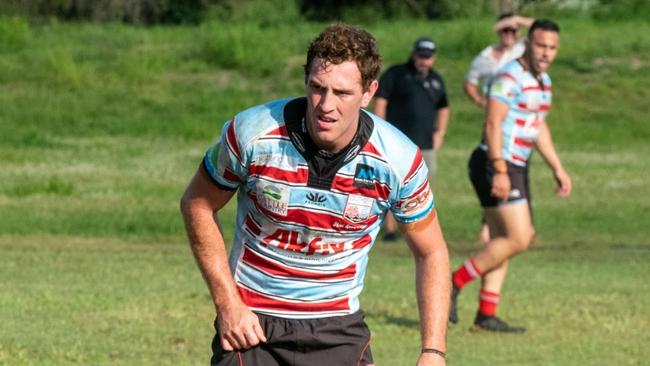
(465,273)
(488,302)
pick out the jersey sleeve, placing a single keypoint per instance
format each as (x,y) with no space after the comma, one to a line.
(474,72)
(504,87)
(414,199)
(224,160)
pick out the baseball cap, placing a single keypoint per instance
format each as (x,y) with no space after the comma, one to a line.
(424,46)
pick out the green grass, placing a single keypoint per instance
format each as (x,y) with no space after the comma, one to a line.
(101,127)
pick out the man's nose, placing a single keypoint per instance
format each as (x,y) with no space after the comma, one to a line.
(327,101)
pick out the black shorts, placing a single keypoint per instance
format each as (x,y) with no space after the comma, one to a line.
(332,341)
(480,173)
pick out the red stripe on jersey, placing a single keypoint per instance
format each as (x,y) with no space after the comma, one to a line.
(320,220)
(232,140)
(420,189)
(370,149)
(362,242)
(280,131)
(344,184)
(523,142)
(506,75)
(299,176)
(414,166)
(229,175)
(252,226)
(518,157)
(542,107)
(257,300)
(520,122)
(275,268)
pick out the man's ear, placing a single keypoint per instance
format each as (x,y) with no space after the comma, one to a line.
(369,93)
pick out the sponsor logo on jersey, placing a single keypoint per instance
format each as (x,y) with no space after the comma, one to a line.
(316,199)
(414,203)
(358,208)
(273,198)
(364,176)
(515,193)
(295,241)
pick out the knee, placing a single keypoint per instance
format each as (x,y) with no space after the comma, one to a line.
(522,242)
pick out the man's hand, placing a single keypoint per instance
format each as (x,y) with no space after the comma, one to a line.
(239,328)
(563,182)
(500,186)
(431,359)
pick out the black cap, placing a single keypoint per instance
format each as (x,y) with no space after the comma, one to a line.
(424,46)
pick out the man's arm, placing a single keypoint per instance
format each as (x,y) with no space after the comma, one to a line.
(433,284)
(474,94)
(443,122)
(380,107)
(546,148)
(496,113)
(239,327)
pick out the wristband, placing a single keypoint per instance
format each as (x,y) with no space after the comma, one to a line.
(433,350)
(499,165)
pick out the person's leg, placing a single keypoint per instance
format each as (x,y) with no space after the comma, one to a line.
(512,233)
(513,220)
(511,227)
(340,340)
(390,233)
(431,160)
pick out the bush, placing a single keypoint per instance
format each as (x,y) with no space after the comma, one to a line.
(129,11)
(14,34)
(622,9)
(247,47)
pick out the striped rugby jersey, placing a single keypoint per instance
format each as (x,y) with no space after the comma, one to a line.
(306,220)
(529,101)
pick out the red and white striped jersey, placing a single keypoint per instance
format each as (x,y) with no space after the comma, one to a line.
(529,101)
(306,219)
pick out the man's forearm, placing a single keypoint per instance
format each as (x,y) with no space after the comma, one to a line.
(433,292)
(210,253)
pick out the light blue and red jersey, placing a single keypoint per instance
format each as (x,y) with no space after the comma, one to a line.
(306,221)
(529,101)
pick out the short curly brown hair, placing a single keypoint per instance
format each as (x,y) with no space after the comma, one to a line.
(341,42)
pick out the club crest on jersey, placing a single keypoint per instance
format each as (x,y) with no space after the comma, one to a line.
(358,208)
(273,198)
(364,176)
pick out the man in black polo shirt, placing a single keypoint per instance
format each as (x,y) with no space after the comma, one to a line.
(412,97)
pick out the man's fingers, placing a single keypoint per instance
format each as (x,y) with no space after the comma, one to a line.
(226,345)
(260,332)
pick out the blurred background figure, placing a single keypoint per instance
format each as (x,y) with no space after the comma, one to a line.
(412,97)
(476,85)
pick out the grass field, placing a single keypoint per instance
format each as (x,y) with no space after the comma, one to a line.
(101,127)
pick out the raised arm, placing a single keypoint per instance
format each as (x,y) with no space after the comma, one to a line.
(239,327)
(433,284)
(546,148)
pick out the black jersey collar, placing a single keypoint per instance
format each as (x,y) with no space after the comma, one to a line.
(322,164)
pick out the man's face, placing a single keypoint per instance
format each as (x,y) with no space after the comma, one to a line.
(508,36)
(423,63)
(334,97)
(542,48)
